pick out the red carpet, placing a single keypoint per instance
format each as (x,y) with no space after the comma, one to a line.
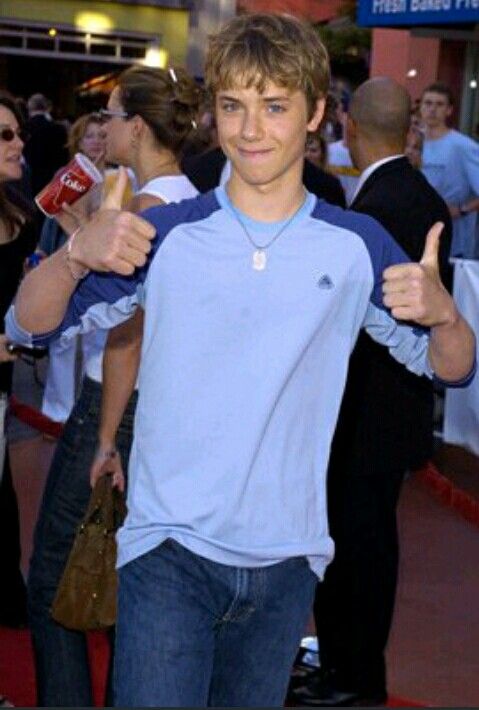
(17,679)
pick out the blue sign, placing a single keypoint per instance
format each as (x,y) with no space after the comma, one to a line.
(387,13)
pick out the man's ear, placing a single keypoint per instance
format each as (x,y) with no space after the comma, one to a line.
(350,130)
(317,116)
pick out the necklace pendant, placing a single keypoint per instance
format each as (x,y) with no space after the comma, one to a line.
(259,260)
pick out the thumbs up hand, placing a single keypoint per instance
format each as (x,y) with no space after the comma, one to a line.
(113,240)
(430,255)
(414,292)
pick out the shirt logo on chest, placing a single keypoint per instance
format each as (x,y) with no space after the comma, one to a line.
(325,282)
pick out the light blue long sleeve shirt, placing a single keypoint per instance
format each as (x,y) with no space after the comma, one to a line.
(242,373)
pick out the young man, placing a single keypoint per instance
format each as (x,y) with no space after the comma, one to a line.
(253,296)
(450,162)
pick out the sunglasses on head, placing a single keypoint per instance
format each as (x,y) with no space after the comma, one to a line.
(107,114)
(7,134)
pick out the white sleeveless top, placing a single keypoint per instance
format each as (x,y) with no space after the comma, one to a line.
(168,188)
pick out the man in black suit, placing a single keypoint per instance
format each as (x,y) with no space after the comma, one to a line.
(384,427)
(46,148)
(209,169)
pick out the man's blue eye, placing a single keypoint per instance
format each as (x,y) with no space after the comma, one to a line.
(276,108)
(230,106)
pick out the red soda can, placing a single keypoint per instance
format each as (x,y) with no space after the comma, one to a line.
(69,184)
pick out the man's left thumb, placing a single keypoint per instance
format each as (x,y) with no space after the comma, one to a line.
(430,256)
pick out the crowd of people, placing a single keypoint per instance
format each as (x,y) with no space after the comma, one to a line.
(248,305)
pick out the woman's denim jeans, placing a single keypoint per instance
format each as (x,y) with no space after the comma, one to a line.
(61,659)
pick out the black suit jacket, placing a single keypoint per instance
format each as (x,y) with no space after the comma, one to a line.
(45,150)
(385,421)
(204,171)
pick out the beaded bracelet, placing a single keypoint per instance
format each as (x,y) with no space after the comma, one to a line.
(68,259)
(106,453)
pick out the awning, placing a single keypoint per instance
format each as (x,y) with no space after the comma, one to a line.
(407,13)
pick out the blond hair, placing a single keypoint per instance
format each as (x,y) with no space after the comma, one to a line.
(78,130)
(251,50)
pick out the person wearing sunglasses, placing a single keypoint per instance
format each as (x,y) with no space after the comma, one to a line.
(17,240)
(8,134)
(150,115)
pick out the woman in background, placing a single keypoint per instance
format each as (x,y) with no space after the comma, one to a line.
(150,115)
(17,241)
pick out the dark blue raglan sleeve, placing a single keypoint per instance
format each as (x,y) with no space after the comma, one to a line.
(104,300)
(407,343)
(100,301)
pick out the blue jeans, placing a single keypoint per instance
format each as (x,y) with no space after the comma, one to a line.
(194,633)
(61,658)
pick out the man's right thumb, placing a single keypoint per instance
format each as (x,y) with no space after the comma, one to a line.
(114,198)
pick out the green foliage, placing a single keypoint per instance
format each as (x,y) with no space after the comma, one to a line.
(345,38)
(349,9)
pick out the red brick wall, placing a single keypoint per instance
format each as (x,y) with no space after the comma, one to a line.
(315,10)
(395,52)
(452,60)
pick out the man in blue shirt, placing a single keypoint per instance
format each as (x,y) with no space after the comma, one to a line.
(253,295)
(450,162)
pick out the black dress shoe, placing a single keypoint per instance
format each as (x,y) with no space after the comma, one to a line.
(306,665)
(322,690)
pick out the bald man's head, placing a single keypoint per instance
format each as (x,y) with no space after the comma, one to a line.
(381,110)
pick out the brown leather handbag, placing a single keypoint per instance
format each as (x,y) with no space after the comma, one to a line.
(86,596)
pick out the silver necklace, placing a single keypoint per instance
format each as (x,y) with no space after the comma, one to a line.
(259,254)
